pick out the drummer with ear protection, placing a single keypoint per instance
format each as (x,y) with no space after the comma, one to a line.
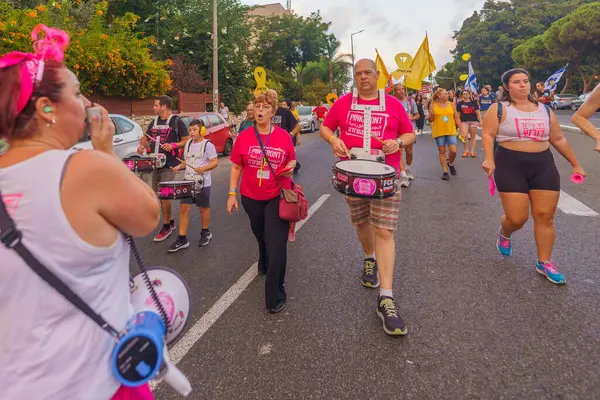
(200,157)
(365,114)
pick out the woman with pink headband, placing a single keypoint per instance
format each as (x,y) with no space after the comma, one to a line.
(72,210)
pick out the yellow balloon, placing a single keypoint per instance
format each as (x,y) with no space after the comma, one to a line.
(466,57)
(464,77)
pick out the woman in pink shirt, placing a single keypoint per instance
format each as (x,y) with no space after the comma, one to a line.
(260,192)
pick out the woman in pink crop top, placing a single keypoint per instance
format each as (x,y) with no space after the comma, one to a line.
(524,168)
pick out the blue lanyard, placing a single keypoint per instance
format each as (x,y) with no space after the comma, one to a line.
(268,136)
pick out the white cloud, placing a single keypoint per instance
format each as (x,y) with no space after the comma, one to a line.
(391,26)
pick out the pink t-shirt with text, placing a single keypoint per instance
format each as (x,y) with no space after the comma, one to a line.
(388,124)
(247,153)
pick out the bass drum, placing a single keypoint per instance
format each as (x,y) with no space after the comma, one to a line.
(173,293)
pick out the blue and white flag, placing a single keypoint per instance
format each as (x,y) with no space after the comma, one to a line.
(471,83)
(552,82)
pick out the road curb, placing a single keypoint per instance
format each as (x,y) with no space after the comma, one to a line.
(570,128)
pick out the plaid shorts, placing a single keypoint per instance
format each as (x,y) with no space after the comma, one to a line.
(382,213)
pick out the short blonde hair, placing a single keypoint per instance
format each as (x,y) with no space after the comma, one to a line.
(269,97)
(438,93)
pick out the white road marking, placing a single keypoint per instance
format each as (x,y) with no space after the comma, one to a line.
(570,205)
(194,334)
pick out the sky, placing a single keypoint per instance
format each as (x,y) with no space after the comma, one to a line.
(391,26)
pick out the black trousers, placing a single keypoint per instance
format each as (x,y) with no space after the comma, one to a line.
(271,233)
(294,139)
(421,122)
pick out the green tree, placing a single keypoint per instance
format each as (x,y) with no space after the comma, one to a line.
(491,35)
(110,60)
(184,28)
(315,92)
(290,42)
(339,65)
(577,36)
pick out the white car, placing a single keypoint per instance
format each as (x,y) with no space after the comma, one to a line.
(308,121)
(126,139)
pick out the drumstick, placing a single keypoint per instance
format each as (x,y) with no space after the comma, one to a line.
(376,138)
(151,138)
(186,164)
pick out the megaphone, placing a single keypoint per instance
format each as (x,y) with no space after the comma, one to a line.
(173,293)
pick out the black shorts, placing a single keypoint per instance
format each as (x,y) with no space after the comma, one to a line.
(520,172)
(202,199)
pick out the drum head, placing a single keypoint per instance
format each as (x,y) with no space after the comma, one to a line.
(173,294)
(365,167)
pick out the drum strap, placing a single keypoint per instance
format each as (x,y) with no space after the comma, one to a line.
(367,110)
(11,237)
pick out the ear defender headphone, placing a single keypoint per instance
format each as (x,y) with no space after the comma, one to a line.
(203,131)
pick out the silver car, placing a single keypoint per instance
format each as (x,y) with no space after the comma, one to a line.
(126,139)
(562,101)
(308,120)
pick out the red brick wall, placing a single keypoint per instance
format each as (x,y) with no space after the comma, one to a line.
(188,102)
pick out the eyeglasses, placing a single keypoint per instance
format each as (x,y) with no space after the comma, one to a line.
(263,106)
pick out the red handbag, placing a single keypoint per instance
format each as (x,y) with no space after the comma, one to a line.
(293,206)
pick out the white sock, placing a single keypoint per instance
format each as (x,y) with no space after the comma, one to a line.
(408,166)
(370,256)
(386,292)
(403,174)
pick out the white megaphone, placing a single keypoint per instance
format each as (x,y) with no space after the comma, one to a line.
(173,293)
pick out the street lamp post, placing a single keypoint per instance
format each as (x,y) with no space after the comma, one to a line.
(352,49)
(215,49)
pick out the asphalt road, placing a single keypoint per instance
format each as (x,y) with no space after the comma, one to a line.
(564,117)
(480,326)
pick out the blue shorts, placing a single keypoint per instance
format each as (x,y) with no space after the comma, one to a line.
(448,140)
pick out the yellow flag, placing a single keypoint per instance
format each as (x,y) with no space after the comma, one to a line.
(422,66)
(384,76)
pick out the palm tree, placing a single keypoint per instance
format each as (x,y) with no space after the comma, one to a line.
(340,63)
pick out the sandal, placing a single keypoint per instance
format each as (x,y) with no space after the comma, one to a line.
(466,154)
(473,155)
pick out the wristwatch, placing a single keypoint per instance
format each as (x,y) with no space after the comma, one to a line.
(399,142)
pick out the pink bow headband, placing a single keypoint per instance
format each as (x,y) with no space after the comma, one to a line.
(51,47)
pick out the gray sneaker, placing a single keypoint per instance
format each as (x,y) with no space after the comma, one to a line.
(393,324)
(409,174)
(205,237)
(369,276)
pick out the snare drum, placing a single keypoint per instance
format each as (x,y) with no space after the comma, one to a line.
(364,178)
(175,190)
(139,164)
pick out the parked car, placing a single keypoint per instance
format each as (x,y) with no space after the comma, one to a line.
(218,130)
(126,139)
(576,103)
(562,101)
(308,120)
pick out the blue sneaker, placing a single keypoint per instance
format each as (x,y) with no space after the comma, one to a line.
(504,244)
(549,270)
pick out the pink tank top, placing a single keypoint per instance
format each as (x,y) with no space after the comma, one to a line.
(522,126)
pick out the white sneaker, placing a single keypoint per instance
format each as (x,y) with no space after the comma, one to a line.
(409,174)
(404,181)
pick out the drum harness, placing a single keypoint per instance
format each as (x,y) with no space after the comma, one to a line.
(365,152)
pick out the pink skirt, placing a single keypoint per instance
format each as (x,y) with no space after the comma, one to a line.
(137,393)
